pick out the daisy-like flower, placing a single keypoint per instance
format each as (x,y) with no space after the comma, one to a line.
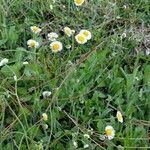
(79,2)
(68,46)
(25,63)
(56,46)
(52,36)
(86,136)
(87,34)
(110,132)
(119,116)
(75,144)
(45,126)
(68,31)
(44,117)
(81,38)
(32,43)
(51,7)
(35,29)
(3,62)
(86,146)
(15,78)
(46,94)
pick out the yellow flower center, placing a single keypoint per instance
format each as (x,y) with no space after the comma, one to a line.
(81,38)
(108,132)
(55,46)
(35,29)
(32,44)
(45,117)
(79,1)
(68,32)
(119,117)
(86,33)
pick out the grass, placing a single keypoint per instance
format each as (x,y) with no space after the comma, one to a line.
(89,83)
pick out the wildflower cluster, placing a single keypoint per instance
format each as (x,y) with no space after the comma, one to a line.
(55,45)
(31,42)
(109,130)
(83,36)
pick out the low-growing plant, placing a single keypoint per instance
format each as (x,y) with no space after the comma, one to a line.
(74,74)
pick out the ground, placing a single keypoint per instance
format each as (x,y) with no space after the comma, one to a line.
(89,82)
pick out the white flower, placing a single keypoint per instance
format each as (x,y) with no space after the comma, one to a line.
(87,34)
(119,116)
(124,35)
(79,2)
(3,62)
(125,7)
(52,36)
(32,43)
(75,144)
(56,46)
(35,29)
(118,17)
(81,38)
(68,31)
(147,51)
(25,63)
(136,78)
(15,78)
(44,117)
(46,94)
(86,136)
(86,145)
(110,132)
(68,46)
(45,126)
(51,7)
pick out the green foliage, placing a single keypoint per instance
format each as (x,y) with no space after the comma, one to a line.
(89,83)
